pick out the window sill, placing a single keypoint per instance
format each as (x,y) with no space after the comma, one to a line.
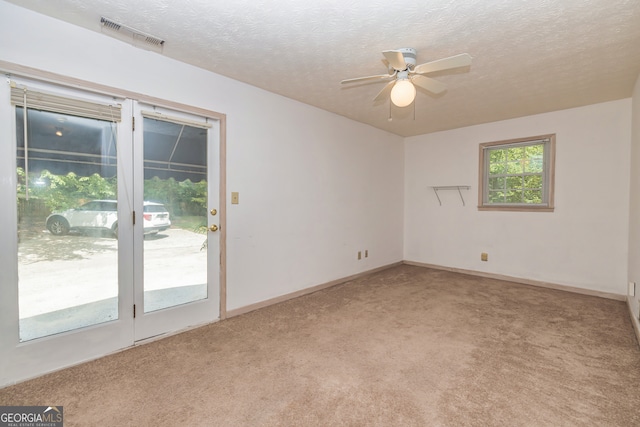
(519,208)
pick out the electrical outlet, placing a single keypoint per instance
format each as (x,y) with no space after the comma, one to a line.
(366,253)
(235,198)
(632,289)
(359,254)
(484,256)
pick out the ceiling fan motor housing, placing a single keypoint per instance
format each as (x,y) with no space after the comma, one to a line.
(409,55)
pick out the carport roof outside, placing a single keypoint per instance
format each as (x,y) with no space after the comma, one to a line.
(62,143)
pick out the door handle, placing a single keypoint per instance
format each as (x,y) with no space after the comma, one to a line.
(213,228)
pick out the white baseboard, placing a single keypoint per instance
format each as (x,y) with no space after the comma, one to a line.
(301,292)
(608,295)
(634,321)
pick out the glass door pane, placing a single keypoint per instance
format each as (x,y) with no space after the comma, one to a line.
(67,222)
(174,214)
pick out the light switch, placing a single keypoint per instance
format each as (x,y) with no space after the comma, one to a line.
(235,197)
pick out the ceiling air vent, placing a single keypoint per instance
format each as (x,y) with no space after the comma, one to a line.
(130,35)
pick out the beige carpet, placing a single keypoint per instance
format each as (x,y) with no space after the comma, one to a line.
(406,346)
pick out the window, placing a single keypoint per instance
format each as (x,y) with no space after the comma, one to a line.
(517,174)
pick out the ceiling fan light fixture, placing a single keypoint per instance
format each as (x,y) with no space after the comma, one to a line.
(403,93)
(405,75)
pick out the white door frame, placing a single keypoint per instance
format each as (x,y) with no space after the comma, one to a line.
(22,361)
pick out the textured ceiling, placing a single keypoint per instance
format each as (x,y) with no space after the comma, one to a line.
(528,56)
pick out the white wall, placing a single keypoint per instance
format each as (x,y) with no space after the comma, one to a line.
(313,192)
(634,211)
(314,187)
(582,244)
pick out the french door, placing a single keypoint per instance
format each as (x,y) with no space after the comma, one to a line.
(111,230)
(176,270)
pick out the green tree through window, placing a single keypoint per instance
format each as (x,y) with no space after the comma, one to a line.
(517,173)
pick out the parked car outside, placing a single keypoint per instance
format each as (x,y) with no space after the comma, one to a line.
(155,218)
(103,215)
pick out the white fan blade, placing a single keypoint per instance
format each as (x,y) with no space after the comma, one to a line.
(429,84)
(384,93)
(362,79)
(462,60)
(389,67)
(396,59)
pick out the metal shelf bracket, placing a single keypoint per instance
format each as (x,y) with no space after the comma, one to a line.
(451,187)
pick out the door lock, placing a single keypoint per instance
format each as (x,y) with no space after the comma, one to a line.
(214,212)
(213,228)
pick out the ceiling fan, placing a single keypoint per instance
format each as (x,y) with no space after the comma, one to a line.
(405,74)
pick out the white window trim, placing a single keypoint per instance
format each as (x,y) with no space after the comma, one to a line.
(548,176)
